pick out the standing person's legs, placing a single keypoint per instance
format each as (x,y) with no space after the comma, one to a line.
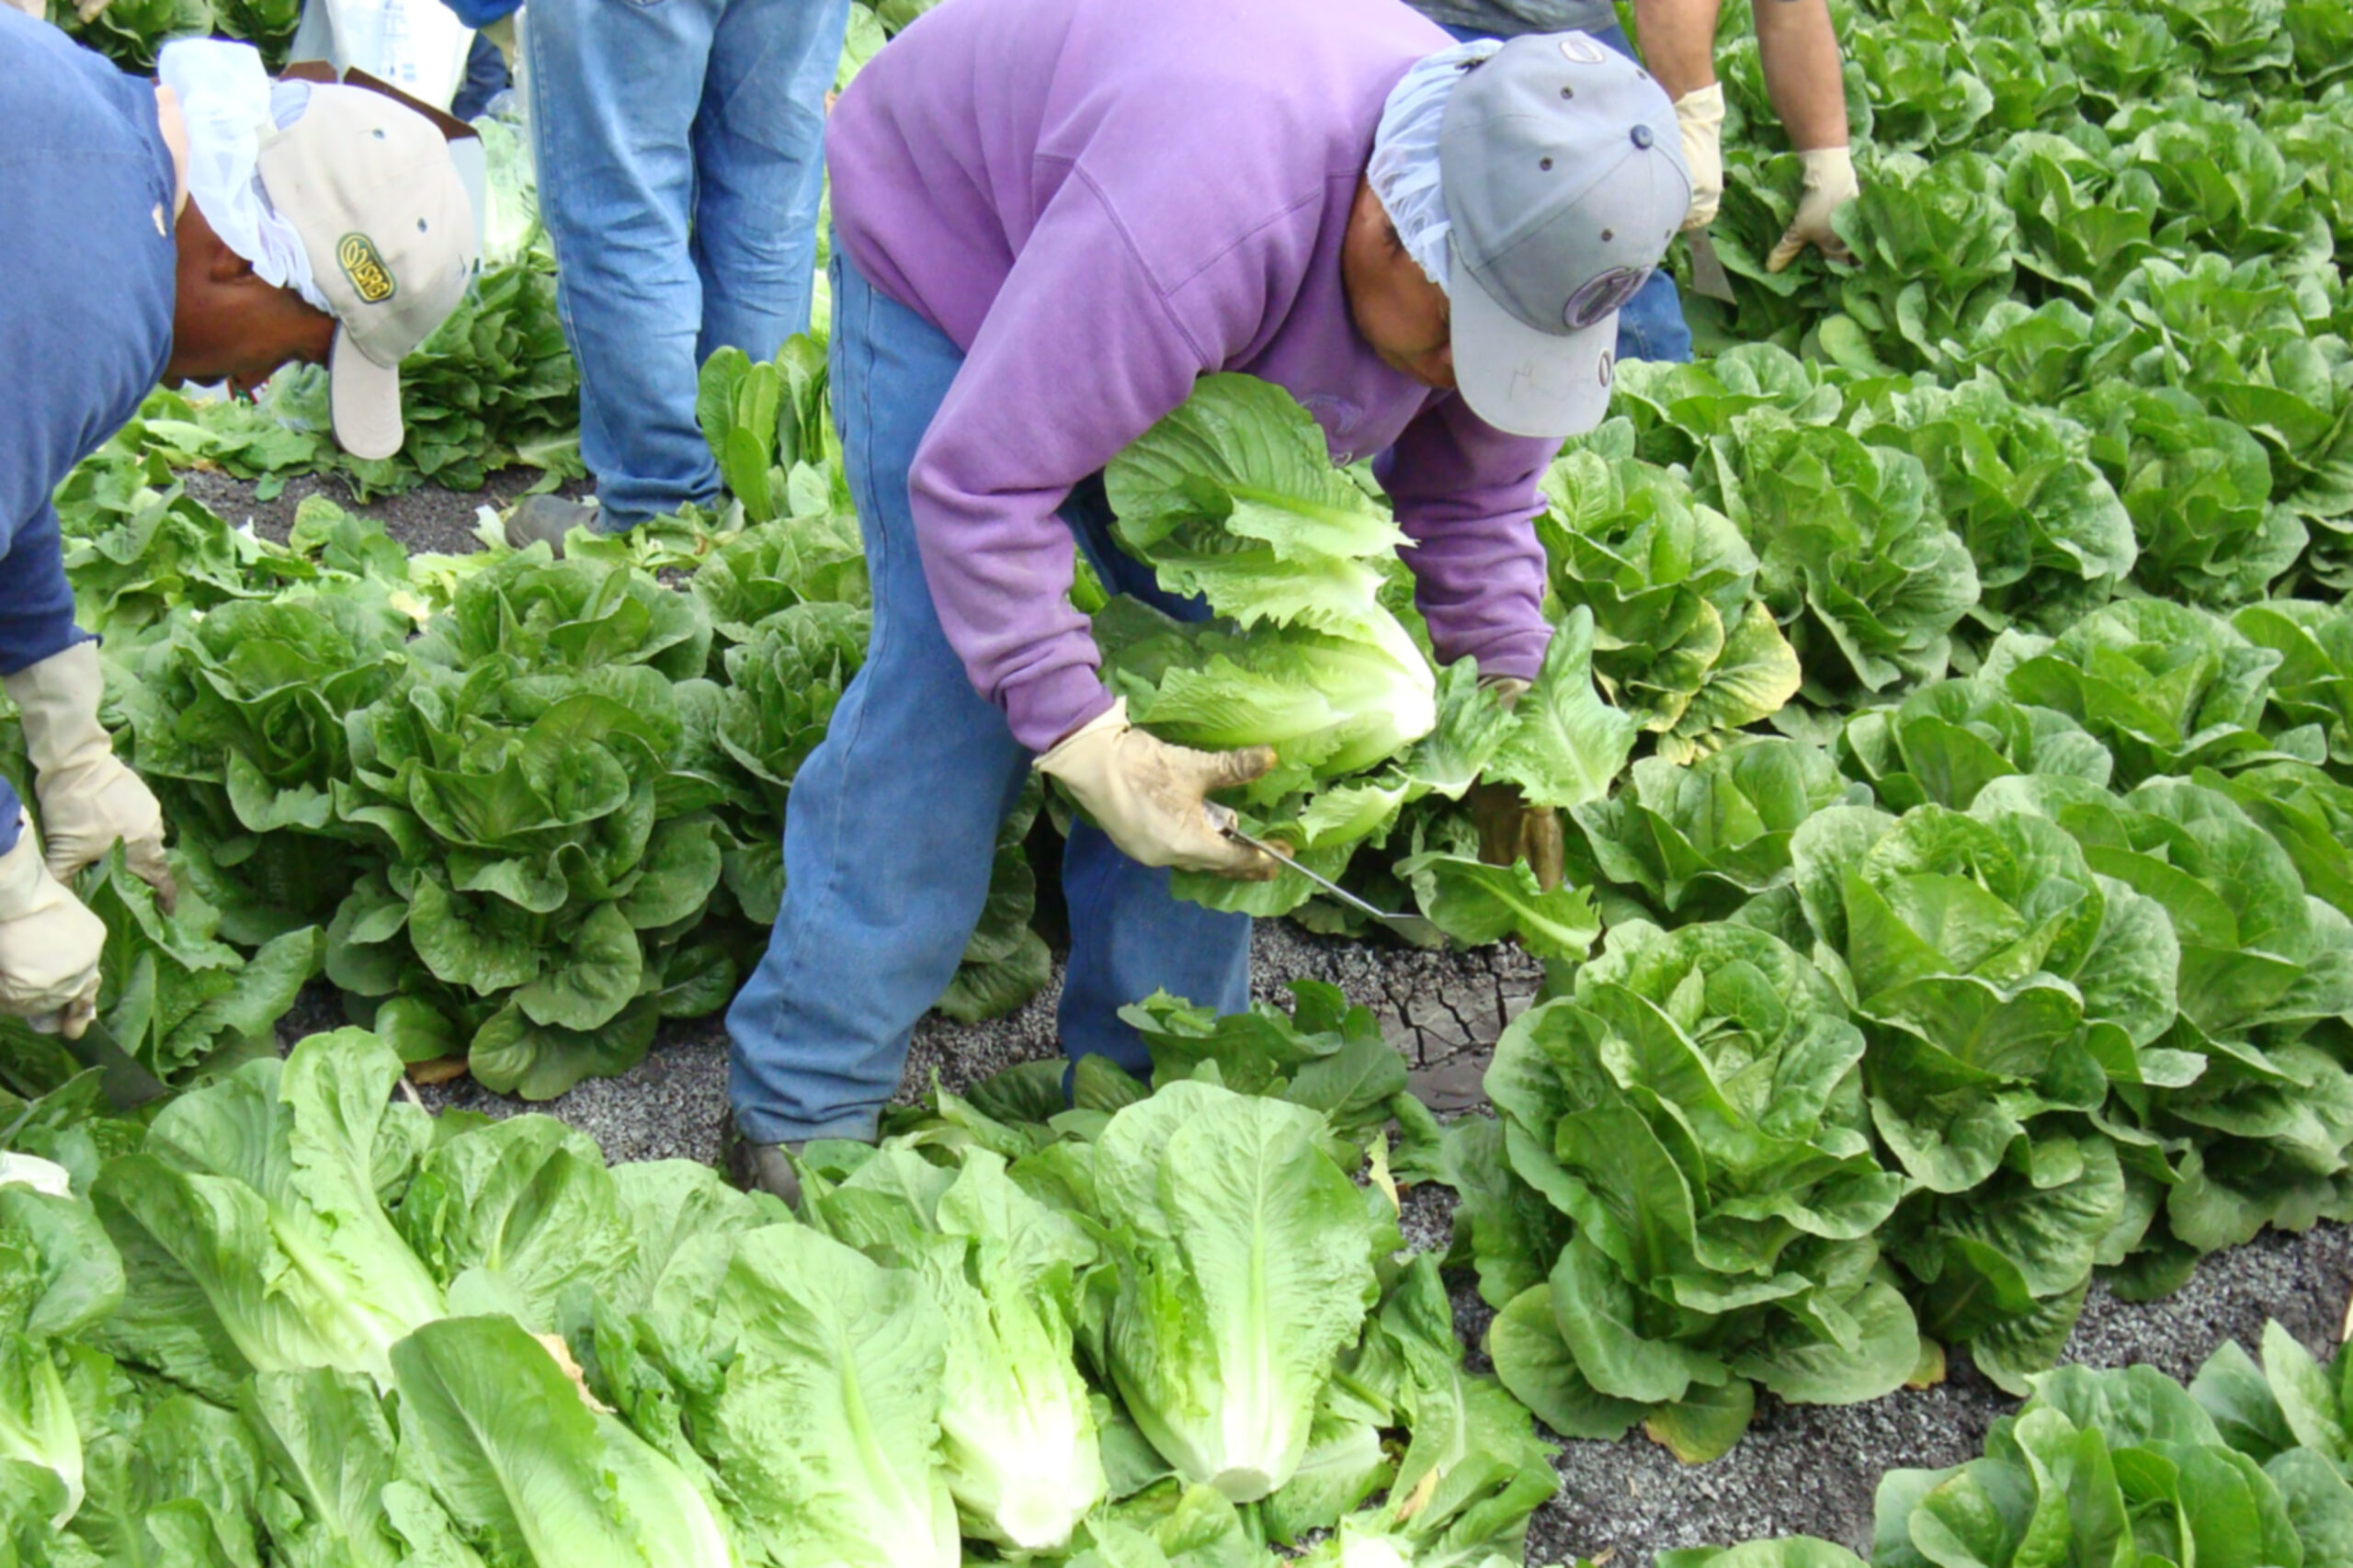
(759,145)
(1130,935)
(890,830)
(616,86)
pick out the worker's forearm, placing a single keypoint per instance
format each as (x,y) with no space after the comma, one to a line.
(1678,39)
(1799,51)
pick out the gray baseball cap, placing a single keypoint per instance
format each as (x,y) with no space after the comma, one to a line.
(1563,177)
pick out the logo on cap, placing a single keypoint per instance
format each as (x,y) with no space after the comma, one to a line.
(1583,49)
(371,278)
(1602,295)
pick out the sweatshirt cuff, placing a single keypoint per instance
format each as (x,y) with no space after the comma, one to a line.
(1519,655)
(1043,710)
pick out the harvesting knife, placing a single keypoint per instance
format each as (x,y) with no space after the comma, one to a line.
(125,1084)
(1709,278)
(1415,928)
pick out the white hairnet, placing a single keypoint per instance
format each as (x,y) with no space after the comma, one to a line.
(229,101)
(1404,171)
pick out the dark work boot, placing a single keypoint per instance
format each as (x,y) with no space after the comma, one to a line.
(763,1168)
(545,519)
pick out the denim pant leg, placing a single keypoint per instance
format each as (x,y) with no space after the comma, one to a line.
(1651,324)
(1130,935)
(891,831)
(616,87)
(760,169)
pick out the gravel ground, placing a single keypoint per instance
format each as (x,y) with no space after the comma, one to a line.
(1801,1471)
(427,519)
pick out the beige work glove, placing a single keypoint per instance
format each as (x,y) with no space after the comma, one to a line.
(1699,115)
(1829,185)
(49,943)
(1153,798)
(88,798)
(36,9)
(1510,828)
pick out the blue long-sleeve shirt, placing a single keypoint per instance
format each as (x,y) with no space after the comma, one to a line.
(88,268)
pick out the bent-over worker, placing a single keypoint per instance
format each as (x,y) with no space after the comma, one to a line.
(211,226)
(1052,216)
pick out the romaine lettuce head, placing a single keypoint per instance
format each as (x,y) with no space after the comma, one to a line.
(1949,740)
(2047,532)
(1693,843)
(2265,1107)
(1017,1430)
(811,1379)
(515,1454)
(2006,985)
(1240,1265)
(2164,687)
(252,1224)
(1681,642)
(1856,559)
(1694,1105)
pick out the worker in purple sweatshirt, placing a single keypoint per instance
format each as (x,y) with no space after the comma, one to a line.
(1052,216)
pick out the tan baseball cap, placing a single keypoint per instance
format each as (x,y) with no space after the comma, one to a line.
(370,185)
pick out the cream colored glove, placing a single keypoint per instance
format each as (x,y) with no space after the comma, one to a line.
(49,943)
(1153,798)
(1699,115)
(88,798)
(1830,184)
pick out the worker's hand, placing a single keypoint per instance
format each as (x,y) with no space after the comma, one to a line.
(89,801)
(1700,113)
(1510,828)
(1153,798)
(49,943)
(1829,185)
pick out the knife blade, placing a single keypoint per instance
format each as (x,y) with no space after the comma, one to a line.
(1709,278)
(1415,928)
(125,1084)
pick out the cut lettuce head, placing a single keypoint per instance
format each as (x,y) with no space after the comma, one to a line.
(252,1224)
(524,1465)
(1241,1266)
(811,1379)
(1017,1430)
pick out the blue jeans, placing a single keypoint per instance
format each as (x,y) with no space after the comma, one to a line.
(891,827)
(680,148)
(1651,324)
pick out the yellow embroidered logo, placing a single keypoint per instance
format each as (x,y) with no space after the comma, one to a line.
(369,274)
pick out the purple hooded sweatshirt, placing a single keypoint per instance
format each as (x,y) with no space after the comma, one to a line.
(1100,200)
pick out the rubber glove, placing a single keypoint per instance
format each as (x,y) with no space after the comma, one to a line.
(1510,828)
(88,798)
(49,943)
(1699,115)
(1829,185)
(1153,798)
